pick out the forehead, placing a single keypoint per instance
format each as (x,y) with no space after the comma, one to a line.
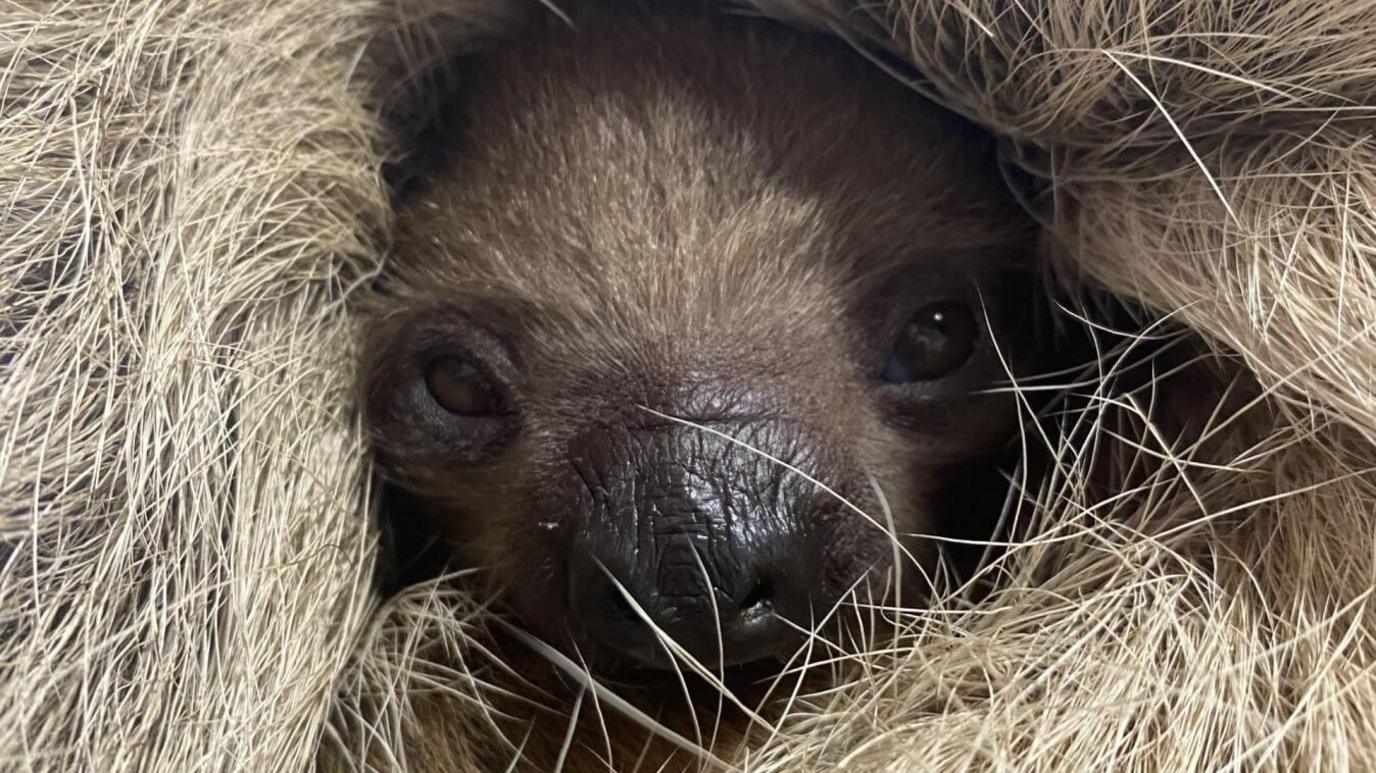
(668,174)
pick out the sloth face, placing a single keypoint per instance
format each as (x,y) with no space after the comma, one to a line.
(731,488)
(691,352)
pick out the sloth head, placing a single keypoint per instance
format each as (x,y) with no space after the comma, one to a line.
(687,332)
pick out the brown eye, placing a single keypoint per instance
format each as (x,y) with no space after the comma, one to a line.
(461,388)
(936,341)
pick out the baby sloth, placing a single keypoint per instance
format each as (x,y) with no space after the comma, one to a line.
(693,325)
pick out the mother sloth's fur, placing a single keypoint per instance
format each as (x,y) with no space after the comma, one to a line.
(188,190)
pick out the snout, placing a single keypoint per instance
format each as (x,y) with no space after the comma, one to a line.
(709,544)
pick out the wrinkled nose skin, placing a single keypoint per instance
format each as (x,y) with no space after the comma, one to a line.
(718,547)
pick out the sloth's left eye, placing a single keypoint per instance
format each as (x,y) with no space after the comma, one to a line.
(461,389)
(936,341)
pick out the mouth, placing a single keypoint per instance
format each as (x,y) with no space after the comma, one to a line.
(766,639)
(626,637)
(684,632)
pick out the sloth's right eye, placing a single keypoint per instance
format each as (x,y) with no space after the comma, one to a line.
(462,389)
(937,340)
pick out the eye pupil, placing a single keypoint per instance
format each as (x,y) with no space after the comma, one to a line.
(936,341)
(461,389)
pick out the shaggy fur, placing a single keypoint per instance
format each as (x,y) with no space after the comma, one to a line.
(189,196)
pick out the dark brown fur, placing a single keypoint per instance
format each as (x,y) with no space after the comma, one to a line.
(703,216)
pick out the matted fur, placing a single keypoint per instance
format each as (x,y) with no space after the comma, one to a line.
(189,194)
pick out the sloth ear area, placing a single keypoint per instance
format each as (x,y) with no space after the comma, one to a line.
(438,391)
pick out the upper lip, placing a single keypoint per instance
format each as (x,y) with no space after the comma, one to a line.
(659,655)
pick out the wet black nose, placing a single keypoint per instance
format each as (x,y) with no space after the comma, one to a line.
(692,544)
(720,609)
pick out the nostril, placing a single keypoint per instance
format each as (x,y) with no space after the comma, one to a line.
(759,601)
